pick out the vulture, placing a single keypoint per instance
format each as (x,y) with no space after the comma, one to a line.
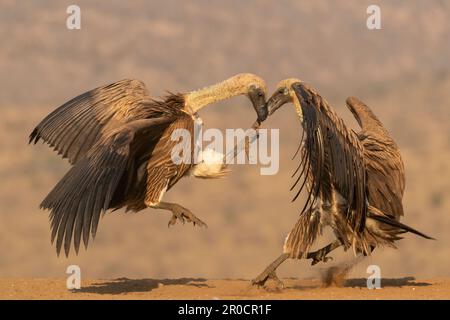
(354,181)
(118,139)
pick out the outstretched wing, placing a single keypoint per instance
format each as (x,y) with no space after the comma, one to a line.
(384,165)
(88,188)
(332,156)
(77,125)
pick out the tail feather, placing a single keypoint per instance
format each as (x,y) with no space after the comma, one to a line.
(398,224)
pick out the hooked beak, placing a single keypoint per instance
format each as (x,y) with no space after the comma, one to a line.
(275,102)
(260,106)
(262,112)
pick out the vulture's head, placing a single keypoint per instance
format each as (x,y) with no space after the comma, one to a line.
(255,89)
(282,95)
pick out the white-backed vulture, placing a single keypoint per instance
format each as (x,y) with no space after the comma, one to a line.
(118,140)
(354,181)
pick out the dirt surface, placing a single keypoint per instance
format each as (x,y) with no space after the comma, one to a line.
(402,72)
(185,288)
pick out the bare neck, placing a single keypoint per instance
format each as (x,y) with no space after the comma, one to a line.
(198,99)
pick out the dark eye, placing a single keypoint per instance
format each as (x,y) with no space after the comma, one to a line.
(260,94)
(281,90)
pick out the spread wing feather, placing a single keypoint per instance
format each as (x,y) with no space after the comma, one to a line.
(86,191)
(75,127)
(334,156)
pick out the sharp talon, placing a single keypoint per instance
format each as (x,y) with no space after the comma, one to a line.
(185,215)
(320,258)
(260,281)
(172,221)
(274,277)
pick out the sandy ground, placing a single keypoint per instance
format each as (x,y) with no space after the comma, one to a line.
(400,288)
(402,73)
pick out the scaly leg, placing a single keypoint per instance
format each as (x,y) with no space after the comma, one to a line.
(269,272)
(317,256)
(179,212)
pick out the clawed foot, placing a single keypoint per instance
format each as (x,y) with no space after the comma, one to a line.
(260,281)
(183,214)
(319,256)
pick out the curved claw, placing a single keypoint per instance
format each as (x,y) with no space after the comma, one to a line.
(323,259)
(185,215)
(260,281)
(279,283)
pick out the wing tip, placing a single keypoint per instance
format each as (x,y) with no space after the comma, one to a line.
(34,136)
(352,100)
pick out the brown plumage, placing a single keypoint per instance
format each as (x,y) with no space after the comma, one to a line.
(355,181)
(119,142)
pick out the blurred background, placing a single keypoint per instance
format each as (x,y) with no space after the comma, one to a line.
(402,72)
